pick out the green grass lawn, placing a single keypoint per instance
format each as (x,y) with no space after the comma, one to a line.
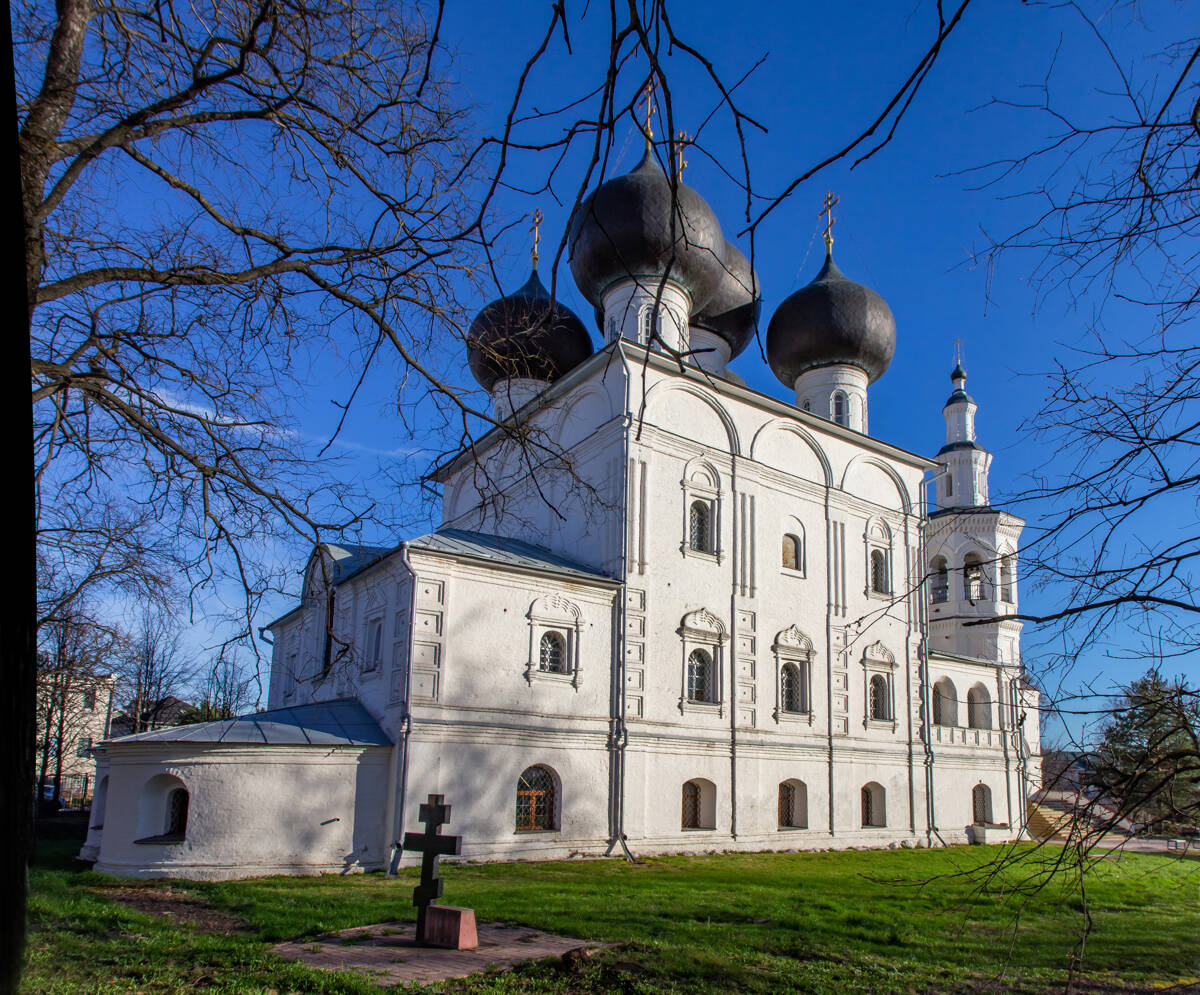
(857,921)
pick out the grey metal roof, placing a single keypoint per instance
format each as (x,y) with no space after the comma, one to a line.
(349,560)
(503,551)
(324,723)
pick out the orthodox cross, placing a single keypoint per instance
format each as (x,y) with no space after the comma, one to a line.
(827,209)
(537,235)
(432,846)
(648,100)
(958,352)
(680,145)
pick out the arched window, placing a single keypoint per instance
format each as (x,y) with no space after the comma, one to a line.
(1007,588)
(808,405)
(950,484)
(700,526)
(973,577)
(552,656)
(879,577)
(177,814)
(874,811)
(701,685)
(647,330)
(981,805)
(793,805)
(536,801)
(979,708)
(939,580)
(880,703)
(699,804)
(793,552)
(945,703)
(840,408)
(793,695)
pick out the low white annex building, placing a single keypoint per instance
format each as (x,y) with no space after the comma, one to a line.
(671,614)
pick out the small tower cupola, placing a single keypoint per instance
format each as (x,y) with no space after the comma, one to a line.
(830,340)
(964,481)
(520,344)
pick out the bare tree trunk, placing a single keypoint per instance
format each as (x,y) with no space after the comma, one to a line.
(18,611)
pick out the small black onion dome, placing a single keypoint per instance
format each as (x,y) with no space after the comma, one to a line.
(624,230)
(960,396)
(832,321)
(733,310)
(526,335)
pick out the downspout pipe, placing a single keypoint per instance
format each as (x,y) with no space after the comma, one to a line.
(620,730)
(931,828)
(405,723)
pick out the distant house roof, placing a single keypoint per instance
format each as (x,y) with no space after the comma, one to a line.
(505,552)
(325,723)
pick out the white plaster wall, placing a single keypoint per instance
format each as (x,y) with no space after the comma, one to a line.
(253,810)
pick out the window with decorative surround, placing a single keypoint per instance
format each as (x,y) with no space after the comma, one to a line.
(701,486)
(878,548)
(703,637)
(879,690)
(554,630)
(793,652)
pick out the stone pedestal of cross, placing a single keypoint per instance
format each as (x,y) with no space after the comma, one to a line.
(451,927)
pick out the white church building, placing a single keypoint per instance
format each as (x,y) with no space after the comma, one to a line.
(664,613)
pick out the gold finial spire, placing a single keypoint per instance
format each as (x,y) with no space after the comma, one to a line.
(681,163)
(827,209)
(648,101)
(957,353)
(537,235)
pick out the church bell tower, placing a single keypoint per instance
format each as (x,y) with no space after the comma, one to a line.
(971,547)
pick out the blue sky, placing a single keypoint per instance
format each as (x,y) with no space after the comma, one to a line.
(908,219)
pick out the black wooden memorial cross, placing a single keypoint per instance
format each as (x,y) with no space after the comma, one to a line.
(433,814)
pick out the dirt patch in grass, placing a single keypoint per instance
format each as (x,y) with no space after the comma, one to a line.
(177,905)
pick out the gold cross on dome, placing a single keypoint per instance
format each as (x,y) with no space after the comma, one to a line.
(537,235)
(958,352)
(831,199)
(681,144)
(651,107)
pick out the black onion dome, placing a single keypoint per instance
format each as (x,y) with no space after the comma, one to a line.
(526,335)
(832,321)
(624,229)
(732,312)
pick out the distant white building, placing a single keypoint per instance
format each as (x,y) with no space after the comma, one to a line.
(682,616)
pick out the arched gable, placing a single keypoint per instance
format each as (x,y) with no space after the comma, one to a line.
(589,408)
(690,413)
(873,480)
(786,446)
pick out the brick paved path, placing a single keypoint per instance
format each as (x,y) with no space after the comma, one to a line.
(389,956)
